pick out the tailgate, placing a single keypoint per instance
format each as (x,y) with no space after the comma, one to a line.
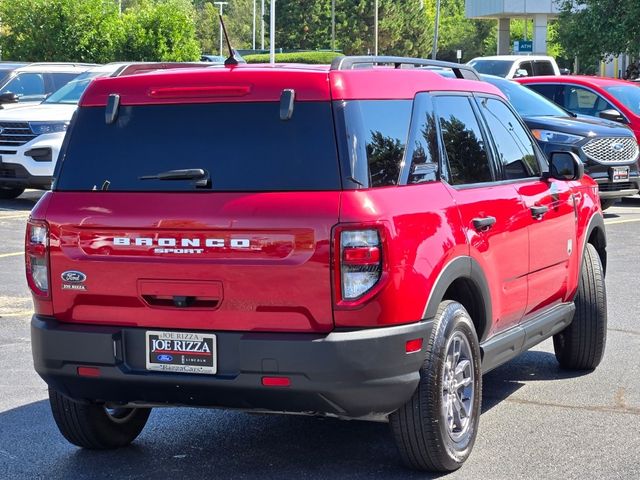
(203,261)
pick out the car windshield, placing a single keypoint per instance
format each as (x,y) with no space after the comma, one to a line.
(629,95)
(70,94)
(526,102)
(499,68)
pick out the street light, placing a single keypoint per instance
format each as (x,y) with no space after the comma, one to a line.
(262,25)
(375,28)
(272,32)
(253,43)
(333,25)
(435,31)
(221,5)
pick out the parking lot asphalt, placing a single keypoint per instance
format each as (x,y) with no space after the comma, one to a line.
(538,422)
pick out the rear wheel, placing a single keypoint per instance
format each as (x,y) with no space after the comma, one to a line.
(580,346)
(607,202)
(95,426)
(436,429)
(7,193)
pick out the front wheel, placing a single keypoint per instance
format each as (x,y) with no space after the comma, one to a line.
(95,426)
(436,429)
(580,346)
(8,193)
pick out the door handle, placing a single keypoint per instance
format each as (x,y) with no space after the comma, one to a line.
(539,211)
(483,224)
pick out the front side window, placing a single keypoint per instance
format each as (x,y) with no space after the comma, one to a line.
(512,143)
(25,85)
(377,130)
(584,101)
(463,141)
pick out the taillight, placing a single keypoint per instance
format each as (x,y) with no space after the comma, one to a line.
(37,257)
(360,262)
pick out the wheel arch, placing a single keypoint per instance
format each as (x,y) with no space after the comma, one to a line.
(596,236)
(463,280)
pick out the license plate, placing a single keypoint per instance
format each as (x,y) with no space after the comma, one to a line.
(620,174)
(182,352)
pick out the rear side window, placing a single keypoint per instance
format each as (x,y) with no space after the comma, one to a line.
(25,85)
(555,93)
(543,67)
(463,141)
(377,130)
(422,147)
(59,80)
(243,147)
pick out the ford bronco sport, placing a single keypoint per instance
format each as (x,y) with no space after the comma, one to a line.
(363,241)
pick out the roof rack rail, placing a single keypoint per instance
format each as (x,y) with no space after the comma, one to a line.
(349,63)
(61,64)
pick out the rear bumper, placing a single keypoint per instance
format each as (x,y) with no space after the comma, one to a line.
(349,374)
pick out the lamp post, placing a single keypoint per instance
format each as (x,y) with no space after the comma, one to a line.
(375,29)
(221,5)
(262,25)
(435,31)
(253,38)
(333,25)
(272,32)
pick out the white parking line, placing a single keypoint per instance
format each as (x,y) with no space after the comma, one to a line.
(13,254)
(616,222)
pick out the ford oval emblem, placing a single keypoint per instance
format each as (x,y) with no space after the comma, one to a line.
(617,147)
(73,276)
(165,358)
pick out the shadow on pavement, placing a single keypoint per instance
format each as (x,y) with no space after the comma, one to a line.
(24,203)
(196,443)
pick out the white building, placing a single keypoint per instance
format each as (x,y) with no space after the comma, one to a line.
(504,10)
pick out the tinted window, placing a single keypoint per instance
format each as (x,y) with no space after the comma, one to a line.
(555,93)
(61,79)
(527,67)
(513,145)
(492,67)
(422,147)
(377,130)
(543,67)
(463,141)
(243,146)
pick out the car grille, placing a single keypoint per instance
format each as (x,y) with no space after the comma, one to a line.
(615,187)
(14,134)
(611,150)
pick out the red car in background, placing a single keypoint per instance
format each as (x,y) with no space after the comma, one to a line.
(607,98)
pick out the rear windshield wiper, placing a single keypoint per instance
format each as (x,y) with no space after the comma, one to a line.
(199,174)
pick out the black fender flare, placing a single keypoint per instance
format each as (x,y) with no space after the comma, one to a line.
(469,269)
(596,221)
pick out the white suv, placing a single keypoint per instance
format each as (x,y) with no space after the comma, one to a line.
(32,83)
(31,137)
(515,66)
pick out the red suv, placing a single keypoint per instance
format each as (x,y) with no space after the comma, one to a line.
(363,240)
(607,98)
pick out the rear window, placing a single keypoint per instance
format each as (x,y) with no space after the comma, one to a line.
(243,147)
(544,67)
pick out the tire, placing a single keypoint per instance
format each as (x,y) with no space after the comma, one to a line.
(608,202)
(427,438)
(94,427)
(581,345)
(7,193)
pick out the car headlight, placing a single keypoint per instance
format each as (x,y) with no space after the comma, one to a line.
(555,137)
(40,128)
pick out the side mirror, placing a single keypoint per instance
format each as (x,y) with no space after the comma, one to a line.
(565,166)
(521,72)
(565,71)
(8,97)
(612,114)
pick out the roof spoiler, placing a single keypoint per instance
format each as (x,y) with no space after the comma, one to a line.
(357,62)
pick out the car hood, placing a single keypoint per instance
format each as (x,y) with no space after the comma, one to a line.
(39,113)
(13,106)
(584,126)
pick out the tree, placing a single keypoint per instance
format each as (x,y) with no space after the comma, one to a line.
(159,30)
(592,29)
(474,37)
(60,30)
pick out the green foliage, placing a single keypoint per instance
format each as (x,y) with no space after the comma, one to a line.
(295,57)
(59,30)
(474,37)
(160,30)
(592,29)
